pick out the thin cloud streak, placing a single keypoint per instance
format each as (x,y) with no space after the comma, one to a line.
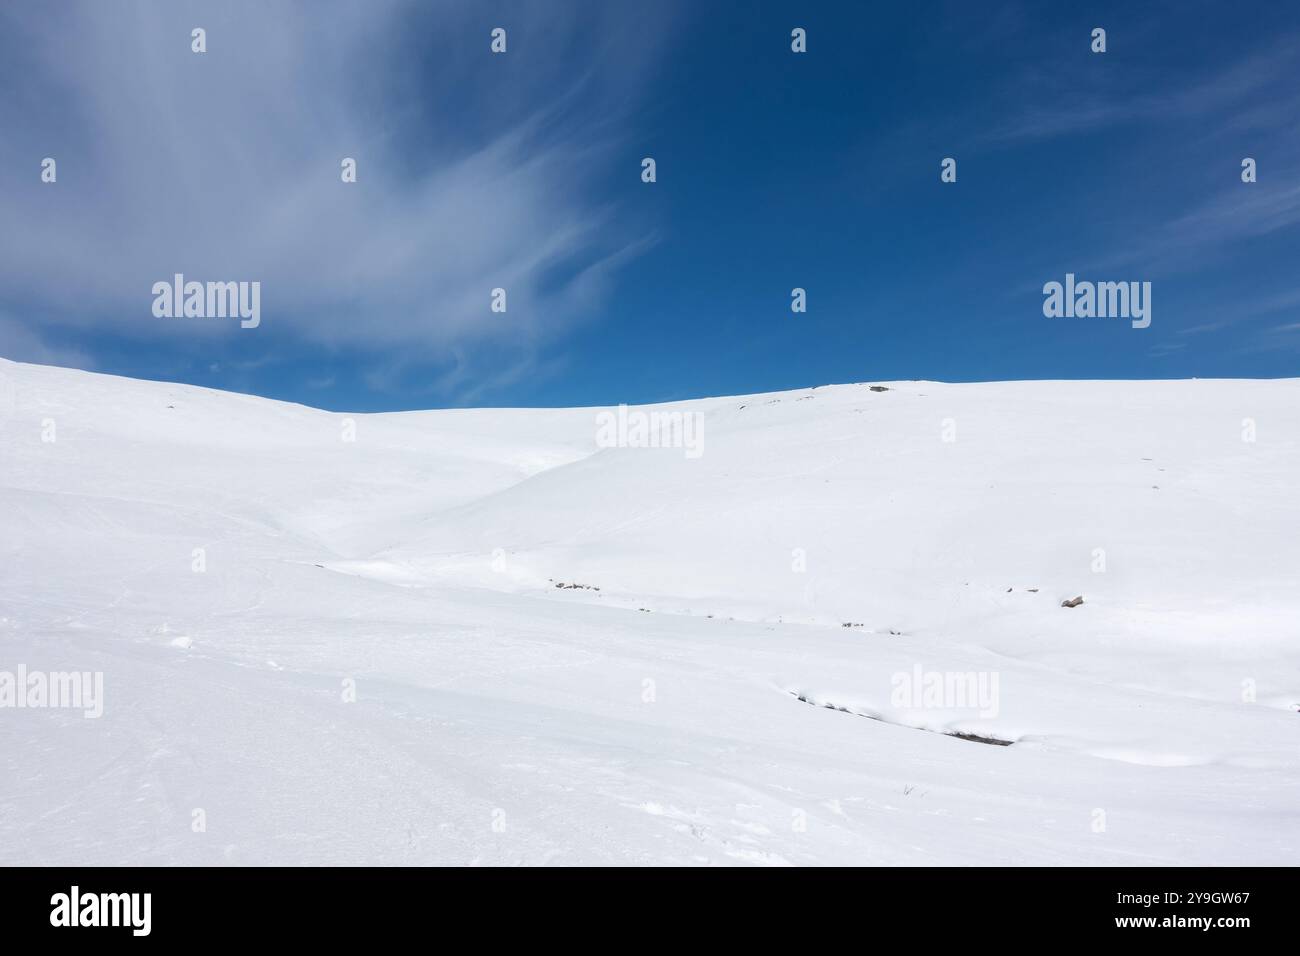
(225,166)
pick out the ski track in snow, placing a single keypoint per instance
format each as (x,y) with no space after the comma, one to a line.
(652,713)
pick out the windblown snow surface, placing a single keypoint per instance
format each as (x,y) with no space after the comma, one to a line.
(708,704)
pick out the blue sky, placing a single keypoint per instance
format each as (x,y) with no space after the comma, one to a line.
(522,170)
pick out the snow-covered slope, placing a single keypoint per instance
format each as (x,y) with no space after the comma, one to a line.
(235,567)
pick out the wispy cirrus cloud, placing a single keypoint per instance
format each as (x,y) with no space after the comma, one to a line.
(473,169)
(1249,93)
(1202,214)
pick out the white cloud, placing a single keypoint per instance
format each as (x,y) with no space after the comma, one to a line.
(473,169)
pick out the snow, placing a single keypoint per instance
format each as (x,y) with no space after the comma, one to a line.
(320,651)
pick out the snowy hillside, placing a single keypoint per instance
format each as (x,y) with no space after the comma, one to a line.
(742,673)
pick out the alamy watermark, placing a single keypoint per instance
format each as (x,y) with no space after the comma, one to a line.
(130,910)
(1102,300)
(208,300)
(633,428)
(67,690)
(919,689)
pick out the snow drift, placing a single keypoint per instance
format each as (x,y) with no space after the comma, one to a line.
(485,637)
